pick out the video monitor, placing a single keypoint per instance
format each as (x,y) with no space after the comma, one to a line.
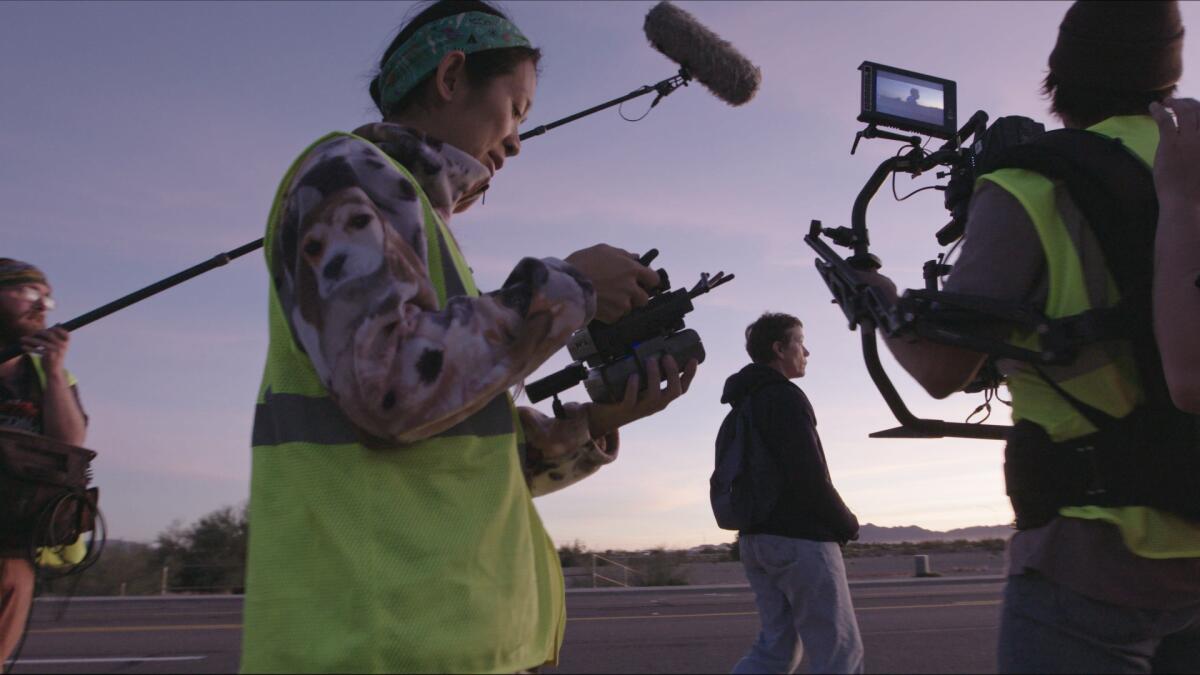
(902,99)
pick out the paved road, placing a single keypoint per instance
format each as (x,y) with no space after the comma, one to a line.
(931,626)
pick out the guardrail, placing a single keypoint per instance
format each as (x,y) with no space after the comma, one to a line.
(625,570)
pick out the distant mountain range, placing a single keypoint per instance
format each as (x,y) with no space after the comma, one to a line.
(874,534)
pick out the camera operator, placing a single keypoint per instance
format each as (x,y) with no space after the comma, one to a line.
(392,527)
(37,395)
(1094,589)
(1177,249)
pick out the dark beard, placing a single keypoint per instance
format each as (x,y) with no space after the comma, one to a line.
(11,332)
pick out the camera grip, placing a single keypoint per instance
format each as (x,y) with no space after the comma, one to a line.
(607,384)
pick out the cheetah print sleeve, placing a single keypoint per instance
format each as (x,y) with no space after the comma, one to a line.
(349,268)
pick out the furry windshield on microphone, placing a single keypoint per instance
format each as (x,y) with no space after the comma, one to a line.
(711,60)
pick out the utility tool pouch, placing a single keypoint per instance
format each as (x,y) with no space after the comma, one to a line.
(1147,458)
(44,494)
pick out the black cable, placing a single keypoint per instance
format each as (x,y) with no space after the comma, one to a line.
(44,530)
(898,153)
(927,187)
(896,195)
(985,407)
(621,112)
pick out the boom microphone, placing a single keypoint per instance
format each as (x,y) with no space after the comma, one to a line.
(702,53)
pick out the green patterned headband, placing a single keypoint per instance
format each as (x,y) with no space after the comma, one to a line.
(420,54)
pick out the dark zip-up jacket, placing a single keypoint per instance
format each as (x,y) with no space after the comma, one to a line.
(809,507)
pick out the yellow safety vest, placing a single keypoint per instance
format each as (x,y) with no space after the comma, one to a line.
(427,557)
(1104,377)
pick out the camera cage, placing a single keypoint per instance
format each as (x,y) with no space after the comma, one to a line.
(906,114)
(966,321)
(634,337)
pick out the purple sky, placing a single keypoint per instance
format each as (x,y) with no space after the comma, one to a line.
(141,138)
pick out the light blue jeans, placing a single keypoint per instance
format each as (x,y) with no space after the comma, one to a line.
(803,602)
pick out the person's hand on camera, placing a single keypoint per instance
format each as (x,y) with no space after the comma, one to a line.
(1177,163)
(621,282)
(604,418)
(51,344)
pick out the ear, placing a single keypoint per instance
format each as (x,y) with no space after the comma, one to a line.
(450,75)
(777,348)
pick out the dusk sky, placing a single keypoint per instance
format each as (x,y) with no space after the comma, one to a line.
(141,138)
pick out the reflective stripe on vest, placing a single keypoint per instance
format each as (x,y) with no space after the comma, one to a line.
(294,418)
(1104,376)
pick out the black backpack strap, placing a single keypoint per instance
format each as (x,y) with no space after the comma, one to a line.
(1111,186)
(1114,190)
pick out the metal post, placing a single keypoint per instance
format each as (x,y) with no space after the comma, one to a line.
(122,589)
(162,588)
(593,570)
(922,565)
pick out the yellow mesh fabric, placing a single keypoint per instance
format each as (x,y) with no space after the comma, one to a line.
(424,558)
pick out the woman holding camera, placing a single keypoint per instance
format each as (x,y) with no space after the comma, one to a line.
(392,527)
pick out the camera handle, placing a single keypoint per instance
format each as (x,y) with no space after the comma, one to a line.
(914,161)
(873,131)
(865,308)
(557,382)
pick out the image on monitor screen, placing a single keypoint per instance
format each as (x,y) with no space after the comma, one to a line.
(910,98)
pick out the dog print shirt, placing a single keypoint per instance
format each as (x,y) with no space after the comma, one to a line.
(351,275)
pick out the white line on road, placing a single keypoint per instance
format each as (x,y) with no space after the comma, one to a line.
(953,629)
(117,659)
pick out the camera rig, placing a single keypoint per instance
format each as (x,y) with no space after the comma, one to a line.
(607,355)
(965,321)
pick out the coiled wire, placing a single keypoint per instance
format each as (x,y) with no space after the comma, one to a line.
(45,529)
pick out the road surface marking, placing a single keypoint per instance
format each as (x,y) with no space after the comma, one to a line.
(105,615)
(965,603)
(969,603)
(238,626)
(661,616)
(956,629)
(125,659)
(138,629)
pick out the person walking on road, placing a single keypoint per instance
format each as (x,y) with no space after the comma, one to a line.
(793,558)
